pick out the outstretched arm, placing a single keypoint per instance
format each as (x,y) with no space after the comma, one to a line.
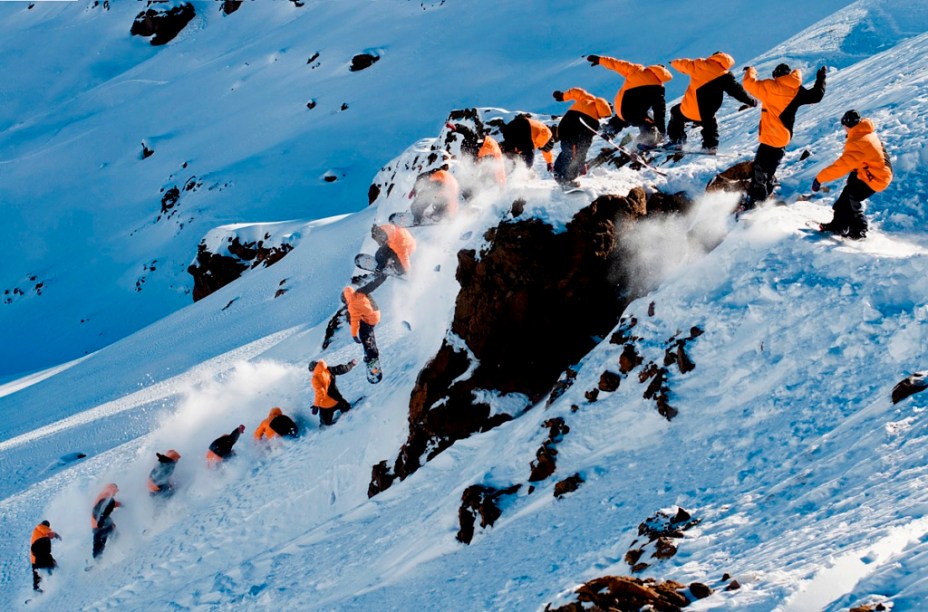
(736,91)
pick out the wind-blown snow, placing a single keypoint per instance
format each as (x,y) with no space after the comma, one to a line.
(809,484)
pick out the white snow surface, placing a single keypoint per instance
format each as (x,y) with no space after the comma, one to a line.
(810,486)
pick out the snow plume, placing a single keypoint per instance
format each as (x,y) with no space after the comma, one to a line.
(656,247)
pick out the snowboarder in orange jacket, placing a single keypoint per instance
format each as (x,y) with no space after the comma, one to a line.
(395,245)
(328,398)
(640,101)
(710,80)
(523,135)
(869,170)
(160,481)
(40,552)
(100,520)
(576,131)
(780,97)
(276,425)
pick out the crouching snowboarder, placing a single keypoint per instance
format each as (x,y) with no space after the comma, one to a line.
(221,448)
(640,101)
(575,131)
(100,520)
(276,425)
(436,192)
(395,245)
(160,479)
(870,171)
(328,398)
(40,552)
(523,135)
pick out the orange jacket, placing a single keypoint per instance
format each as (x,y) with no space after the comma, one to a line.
(863,153)
(587,103)
(400,241)
(700,71)
(541,135)
(635,75)
(264,429)
(360,308)
(490,152)
(775,95)
(40,531)
(322,378)
(448,188)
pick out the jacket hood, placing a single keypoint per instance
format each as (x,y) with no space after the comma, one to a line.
(793,79)
(862,129)
(661,72)
(274,413)
(347,292)
(110,490)
(173,454)
(724,59)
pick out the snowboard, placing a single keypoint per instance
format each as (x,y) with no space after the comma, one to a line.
(374,372)
(406,219)
(678,153)
(369,263)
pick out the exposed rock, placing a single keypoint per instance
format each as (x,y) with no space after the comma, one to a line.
(651,309)
(230,6)
(735,178)
(878,607)
(363,60)
(734,585)
(592,395)
(381,478)
(334,323)
(518,207)
(667,203)
(212,271)
(658,532)
(627,594)
(623,334)
(545,462)
(565,383)
(700,590)
(479,500)
(311,104)
(911,385)
(568,485)
(163,24)
(373,192)
(609,381)
(146,152)
(169,199)
(629,359)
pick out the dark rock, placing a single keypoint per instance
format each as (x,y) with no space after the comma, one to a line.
(735,178)
(146,152)
(230,6)
(363,60)
(169,199)
(330,329)
(633,556)
(609,381)
(733,586)
(667,204)
(915,383)
(623,593)
(381,479)
(544,463)
(163,24)
(664,549)
(373,192)
(629,359)
(623,334)
(344,106)
(651,309)
(213,271)
(479,500)
(311,104)
(313,58)
(568,485)
(279,293)
(518,207)
(700,590)
(562,385)
(592,395)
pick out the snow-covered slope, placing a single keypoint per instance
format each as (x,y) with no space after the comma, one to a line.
(808,483)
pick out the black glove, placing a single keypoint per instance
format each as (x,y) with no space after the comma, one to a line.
(820,75)
(550,167)
(558,95)
(816,185)
(593,59)
(745,69)
(315,410)
(753,103)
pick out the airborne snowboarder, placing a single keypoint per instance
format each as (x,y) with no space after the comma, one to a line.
(483,150)
(436,191)
(870,171)
(710,79)
(640,101)
(396,245)
(780,97)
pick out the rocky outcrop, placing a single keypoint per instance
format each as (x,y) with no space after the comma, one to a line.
(568,485)
(657,535)
(363,60)
(625,593)
(735,178)
(909,386)
(162,24)
(528,290)
(480,500)
(545,458)
(213,270)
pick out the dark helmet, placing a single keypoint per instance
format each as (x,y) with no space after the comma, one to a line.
(850,118)
(781,70)
(46,523)
(312,365)
(378,234)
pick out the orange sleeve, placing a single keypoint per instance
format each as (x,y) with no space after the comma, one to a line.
(849,161)
(683,65)
(756,88)
(259,432)
(355,318)
(622,67)
(576,94)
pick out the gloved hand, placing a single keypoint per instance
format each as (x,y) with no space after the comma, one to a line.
(315,410)
(550,167)
(816,185)
(753,103)
(745,69)
(353,362)
(584,168)
(821,73)
(558,95)
(593,59)
(356,339)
